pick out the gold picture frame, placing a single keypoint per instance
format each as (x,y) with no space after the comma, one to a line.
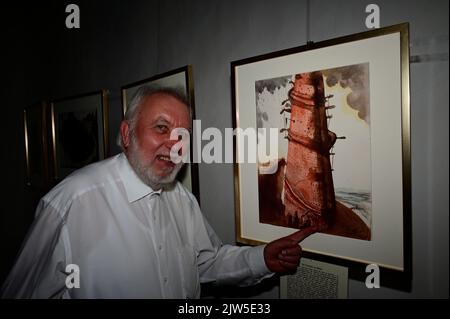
(264,87)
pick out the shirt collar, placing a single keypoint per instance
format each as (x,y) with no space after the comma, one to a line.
(134,187)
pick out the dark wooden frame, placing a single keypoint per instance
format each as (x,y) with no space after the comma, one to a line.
(41,108)
(103,97)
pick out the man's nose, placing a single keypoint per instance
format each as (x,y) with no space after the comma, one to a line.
(169,143)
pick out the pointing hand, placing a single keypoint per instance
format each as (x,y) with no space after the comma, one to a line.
(283,255)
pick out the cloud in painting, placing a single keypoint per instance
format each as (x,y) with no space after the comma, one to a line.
(357,78)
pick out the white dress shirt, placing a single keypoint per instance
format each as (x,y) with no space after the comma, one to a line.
(128,241)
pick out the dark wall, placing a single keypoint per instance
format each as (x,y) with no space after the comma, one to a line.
(116,44)
(24,65)
(42,59)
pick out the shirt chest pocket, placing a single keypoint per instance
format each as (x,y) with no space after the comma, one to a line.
(187,258)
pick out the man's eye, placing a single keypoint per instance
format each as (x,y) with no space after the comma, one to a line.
(162,128)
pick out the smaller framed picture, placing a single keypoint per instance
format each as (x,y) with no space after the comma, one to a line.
(181,78)
(79,131)
(315,280)
(35,142)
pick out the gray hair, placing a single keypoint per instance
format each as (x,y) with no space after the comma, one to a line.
(141,94)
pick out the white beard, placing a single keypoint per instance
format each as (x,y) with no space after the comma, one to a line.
(145,173)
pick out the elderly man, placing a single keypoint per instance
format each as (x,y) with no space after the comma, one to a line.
(130,231)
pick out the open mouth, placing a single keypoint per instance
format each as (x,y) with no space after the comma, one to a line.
(165,158)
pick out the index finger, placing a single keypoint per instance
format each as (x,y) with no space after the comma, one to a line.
(298,236)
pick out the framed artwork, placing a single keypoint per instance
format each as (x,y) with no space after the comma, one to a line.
(182,79)
(332,140)
(79,131)
(35,141)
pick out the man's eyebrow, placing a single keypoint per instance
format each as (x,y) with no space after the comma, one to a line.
(161,119)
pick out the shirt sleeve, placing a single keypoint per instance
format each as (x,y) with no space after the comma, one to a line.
(226,264)
(39,270)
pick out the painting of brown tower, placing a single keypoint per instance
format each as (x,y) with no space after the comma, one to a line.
(303,191)
(308,184)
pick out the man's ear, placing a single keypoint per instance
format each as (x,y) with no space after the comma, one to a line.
(125,133)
